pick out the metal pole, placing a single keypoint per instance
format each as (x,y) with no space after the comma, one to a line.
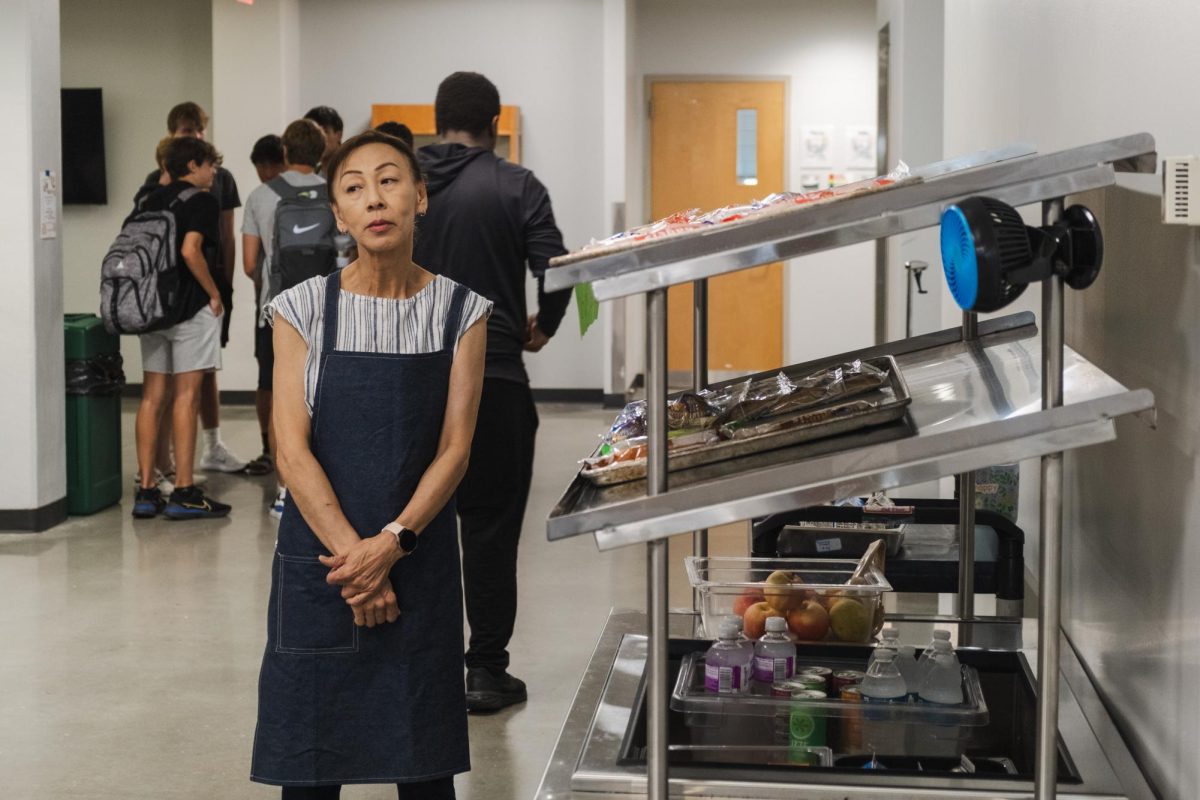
(699,383)
(966,510)
(657,555)
(1049,608)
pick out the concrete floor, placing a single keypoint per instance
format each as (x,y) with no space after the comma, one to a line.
(129,653)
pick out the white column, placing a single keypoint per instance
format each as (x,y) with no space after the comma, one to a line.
(256,91)
(33,479)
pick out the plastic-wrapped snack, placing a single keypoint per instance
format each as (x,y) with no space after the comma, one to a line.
(691,410)
(827,386)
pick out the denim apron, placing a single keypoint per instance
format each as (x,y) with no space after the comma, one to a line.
(338,703)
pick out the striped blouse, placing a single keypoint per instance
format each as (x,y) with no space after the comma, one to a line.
(373,324)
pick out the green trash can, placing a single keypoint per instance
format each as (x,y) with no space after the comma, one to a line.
(94,382)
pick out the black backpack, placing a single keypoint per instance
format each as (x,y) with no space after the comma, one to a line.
(139,278)
(303,245)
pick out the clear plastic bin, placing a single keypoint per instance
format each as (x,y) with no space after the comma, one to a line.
(732,585)
(909,728)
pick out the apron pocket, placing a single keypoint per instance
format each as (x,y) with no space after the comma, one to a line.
(313,617)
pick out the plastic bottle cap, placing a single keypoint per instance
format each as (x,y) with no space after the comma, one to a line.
(944,635)
(943,646)
(727,631)
(734,620)
(776,624)
(890,633)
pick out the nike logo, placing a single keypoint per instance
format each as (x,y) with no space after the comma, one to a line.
(297,230)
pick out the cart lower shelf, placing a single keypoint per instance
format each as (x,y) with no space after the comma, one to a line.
(600,751)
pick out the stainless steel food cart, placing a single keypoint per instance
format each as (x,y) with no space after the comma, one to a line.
(989,392)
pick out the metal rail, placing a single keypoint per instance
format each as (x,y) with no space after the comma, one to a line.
(699,383)
(658,552)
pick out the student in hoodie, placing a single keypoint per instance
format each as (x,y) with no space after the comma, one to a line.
(488,221)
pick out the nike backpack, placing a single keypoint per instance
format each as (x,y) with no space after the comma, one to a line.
(303,237)
(139,278)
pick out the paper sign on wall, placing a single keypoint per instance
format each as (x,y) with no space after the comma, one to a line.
(49,215)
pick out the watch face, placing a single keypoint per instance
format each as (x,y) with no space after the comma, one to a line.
(408,540)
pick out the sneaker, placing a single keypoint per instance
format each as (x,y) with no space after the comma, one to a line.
(190,503)
(219,459)
(277,506)
(263,465)
(148,503)
(164,483)
(488,692)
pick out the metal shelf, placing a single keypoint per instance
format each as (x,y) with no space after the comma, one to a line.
(1015,180)
(974,404)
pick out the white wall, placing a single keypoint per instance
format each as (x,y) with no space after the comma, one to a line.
(146,56)
(1063,74)
(546,56)
(32,406)
(827,51)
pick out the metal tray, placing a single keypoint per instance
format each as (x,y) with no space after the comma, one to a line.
(890,404)
(838,539)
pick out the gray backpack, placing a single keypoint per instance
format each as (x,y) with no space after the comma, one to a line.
(139,278)
(303,238)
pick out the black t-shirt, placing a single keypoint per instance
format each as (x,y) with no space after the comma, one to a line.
(224,188)
(201,214)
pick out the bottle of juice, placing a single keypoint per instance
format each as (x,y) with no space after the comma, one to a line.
(775,654)
(883,682)
(943,678)
(727,664)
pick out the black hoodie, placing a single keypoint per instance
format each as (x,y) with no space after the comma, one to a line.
(487,219)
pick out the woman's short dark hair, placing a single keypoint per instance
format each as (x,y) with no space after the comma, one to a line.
(303,143)
(267,150)
(466,101)
(325,116)
(183,151)
(338,159)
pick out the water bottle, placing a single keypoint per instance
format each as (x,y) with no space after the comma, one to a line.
(943,678)
(745,641)
(889,640)
(927,654)
(775,654)
(906,662)
(883,682)
(727,664)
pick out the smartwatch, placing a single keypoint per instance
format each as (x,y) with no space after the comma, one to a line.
(406,540)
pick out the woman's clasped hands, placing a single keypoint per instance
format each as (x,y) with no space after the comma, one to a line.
(362,572)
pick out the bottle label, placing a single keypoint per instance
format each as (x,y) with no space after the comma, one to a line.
(773,670)
(724,680)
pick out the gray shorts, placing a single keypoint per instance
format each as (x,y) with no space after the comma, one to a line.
(193,345)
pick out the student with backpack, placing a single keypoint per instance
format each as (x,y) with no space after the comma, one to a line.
(169,246)
(289,222)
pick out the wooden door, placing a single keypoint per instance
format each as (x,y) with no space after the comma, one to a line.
(694,133)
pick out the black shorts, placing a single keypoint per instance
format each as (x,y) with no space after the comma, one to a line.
(264,353)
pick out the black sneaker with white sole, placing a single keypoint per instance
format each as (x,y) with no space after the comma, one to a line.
(189,502)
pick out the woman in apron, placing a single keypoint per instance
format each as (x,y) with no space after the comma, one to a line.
(378,372)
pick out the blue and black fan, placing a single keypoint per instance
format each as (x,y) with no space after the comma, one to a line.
(990,255)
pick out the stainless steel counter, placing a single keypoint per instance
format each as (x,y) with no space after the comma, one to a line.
(584,764)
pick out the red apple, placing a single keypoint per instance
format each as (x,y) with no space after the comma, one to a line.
(754,622)
(747,599)
(809,622)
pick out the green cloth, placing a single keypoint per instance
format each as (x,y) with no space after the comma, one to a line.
(589,307)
